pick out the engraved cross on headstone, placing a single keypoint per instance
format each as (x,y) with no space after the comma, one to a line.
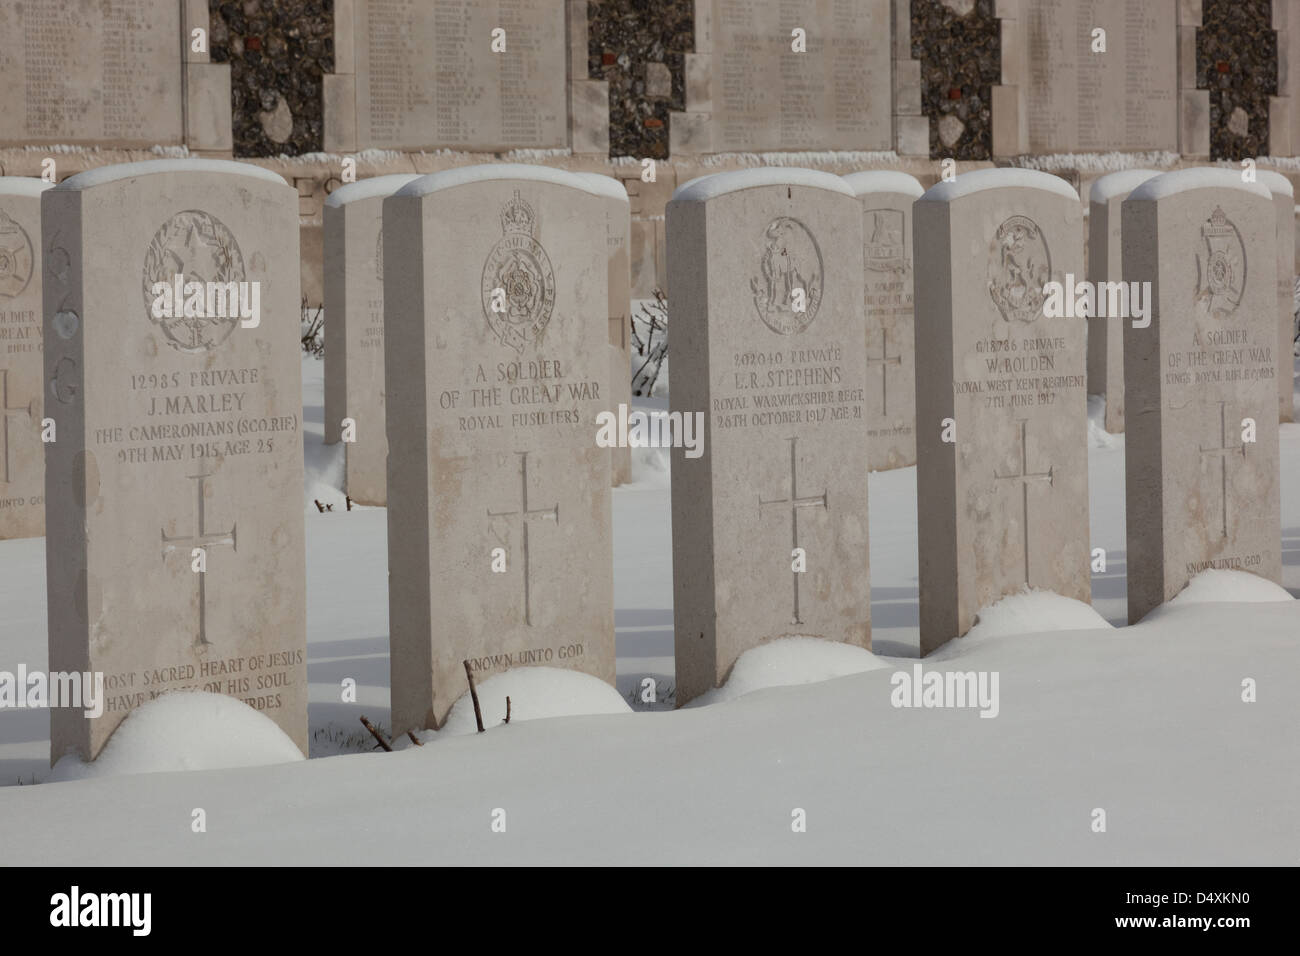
(1222,453)
(551,513)
(6,413)
(884,361)
(795,503)
(1024,476)
(201,539)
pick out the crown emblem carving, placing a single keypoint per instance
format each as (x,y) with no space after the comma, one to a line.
(517,216)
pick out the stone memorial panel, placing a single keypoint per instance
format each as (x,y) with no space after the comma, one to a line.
(427,76)
(887,198)
(770,516)
(1001,405)
(497,364)
(92,73)
(1201,460)
(22,455)
(174,490)
(354,333)
(836,95)
(1078,100)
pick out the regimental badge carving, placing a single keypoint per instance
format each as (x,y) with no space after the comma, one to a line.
(197,245)
(887,241)
(791,261)
(1020,265)
(1220,267)
(520,267)
(16,258)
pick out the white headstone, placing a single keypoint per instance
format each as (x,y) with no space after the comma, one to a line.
(1201,449)
(174,491)
(497,364)
(1001,406)
(770,510)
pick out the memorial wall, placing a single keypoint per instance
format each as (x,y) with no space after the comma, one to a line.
(1080,99)
(427,75)
(85,73)
(117,74)
(412,86)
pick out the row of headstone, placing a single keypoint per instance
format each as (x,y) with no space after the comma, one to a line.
(354,333)
(770,533)
(172,489)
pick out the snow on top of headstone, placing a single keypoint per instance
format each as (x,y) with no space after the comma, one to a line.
(704,188)
(607,186)
(1121,183)
(1222,584)
(373,188)
(789,661)
(109,174)
(185,730)
(22,186)
(1029,611)
(883,181)
(489,172)
(1275,182)
(999,178)
(535,693)
(1198,177)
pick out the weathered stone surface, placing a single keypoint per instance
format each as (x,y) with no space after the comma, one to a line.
(174,536)
(354,332)
(1200,493)
(1079,100)
(959,47)
(90,73)
(834,96)
(427,77)
(886,199)
(627,42)
(279,53)
(1237,61)
(1106,264)
(22,455)
(618,242)
(1004,502)
(1283,194)
(780,480)
(492,404)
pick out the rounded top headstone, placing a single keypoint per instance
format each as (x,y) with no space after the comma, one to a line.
(1120,183)
(1275,182)
(22,186)
(704,188)
(108,174)
(1199,177)
(490,172)
(606,185)
(1001,178)
(373,188)
(884,181)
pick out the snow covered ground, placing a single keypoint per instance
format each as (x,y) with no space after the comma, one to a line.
(1145,722)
